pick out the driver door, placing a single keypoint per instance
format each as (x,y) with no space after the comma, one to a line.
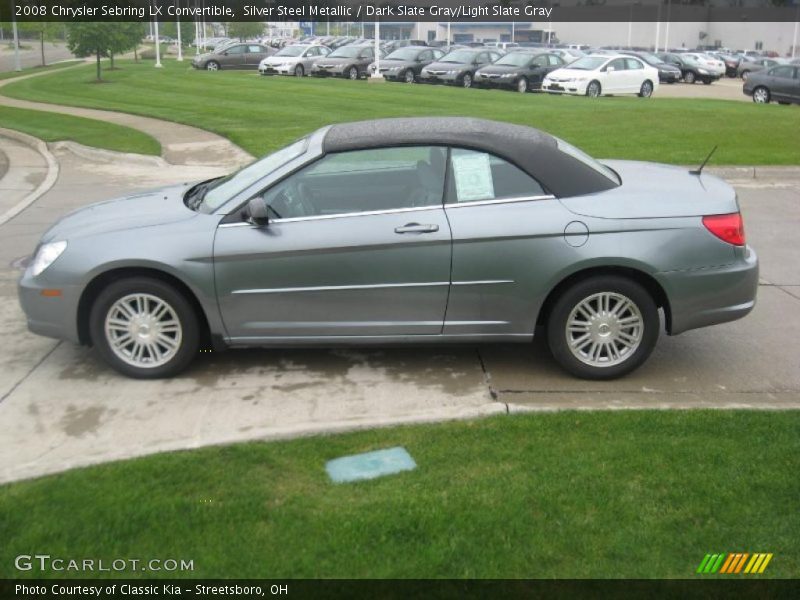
(358,245)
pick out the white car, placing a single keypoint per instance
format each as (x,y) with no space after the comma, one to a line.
(293,60)
(711,63)
(598,75)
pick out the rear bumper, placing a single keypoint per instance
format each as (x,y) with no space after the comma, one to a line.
(709,296)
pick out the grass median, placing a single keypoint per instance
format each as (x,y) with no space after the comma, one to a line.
(53,127)
(571,494)
(39,69)
(261,114)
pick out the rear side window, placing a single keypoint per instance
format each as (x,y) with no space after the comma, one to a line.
(786,72)
(479,176)
(633,63)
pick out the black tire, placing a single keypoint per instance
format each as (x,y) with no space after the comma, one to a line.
(783,103)
(557,334)
(646,90)
(745,75)
(594,90)
(352,73)
(466,80)
(689,77)
(707,81)
(213,65)
(182,308)
(522,85)
(299,71)
(409,76)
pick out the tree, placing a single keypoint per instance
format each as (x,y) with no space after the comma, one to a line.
(245,29)
(43,31)
(91,39)
(126,36)
(170,29)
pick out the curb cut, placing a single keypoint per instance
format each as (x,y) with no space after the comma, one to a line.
(102,155)
(49,180)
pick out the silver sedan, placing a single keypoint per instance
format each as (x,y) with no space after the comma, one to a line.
(417,231)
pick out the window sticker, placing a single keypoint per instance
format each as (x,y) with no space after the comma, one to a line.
(473,176)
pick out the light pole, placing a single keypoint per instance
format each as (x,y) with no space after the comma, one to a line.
(666,28)
(158,64)
(794,38)
(376,74)
(17,65)
(448,35)
(180,44)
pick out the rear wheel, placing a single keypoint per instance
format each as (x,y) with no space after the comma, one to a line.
(593,89)
(646,90)
(144,328)
(689,77)
(761,95)
(603,327)
(522,85)
(299,71)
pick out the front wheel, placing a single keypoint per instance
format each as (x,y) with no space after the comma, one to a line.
(745,75)
(593,89)
(144,328)
(761,95)
(212,65)
(522,85)
(352,73)
(689,77)
(646,90)
(409,77)
(466,81)
(299,71)
(603,327)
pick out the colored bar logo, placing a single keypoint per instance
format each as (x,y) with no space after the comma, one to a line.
(733,563)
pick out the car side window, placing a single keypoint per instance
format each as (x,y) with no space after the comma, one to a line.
(438,54)
(236,50)
(479,176)
(633,64)
(784,71)
(427,55)
(255,49)
(381,179)
(541,61)
(618,64)
(555,61)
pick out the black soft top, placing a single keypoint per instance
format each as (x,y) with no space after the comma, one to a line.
(532,150)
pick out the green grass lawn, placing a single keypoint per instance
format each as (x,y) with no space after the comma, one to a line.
(52,127)
(571,494)
(39,69)
(261,114)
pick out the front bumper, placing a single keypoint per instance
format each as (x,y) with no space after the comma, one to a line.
(428,77)
(273,70)
(495,82)
(50,316)
(327,72)
(709,296)
(565,87)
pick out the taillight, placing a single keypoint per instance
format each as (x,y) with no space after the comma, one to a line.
(728,228)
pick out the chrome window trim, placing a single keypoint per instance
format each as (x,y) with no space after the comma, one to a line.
(366,213)
(499,201)
(485,282)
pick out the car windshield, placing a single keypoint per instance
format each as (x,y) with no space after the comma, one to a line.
(407,53)
(515,59)
(651,58)
(459,56)
(291,51)
(345,52)
(587,160)
(209,196)
(589,63)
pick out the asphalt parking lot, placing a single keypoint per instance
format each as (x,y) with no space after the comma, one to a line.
(61,407)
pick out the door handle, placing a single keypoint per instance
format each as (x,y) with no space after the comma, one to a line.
(416,228)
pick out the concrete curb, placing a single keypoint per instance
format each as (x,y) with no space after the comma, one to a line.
(49,180)
(103,155)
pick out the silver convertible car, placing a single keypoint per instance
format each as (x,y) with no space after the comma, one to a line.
(412,231)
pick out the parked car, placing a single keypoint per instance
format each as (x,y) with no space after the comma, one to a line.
(293,60)
(780,83)
(598,75)
(423,230)
(235,56)
(756,64)
(691,70)
(347,61)
(522,70)
(458,67)
(666,73)
(711,63)
(405,64)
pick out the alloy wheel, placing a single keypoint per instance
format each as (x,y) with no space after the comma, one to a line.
(761,95)
(467,81)
(409,78)
(522,85)
(593,90)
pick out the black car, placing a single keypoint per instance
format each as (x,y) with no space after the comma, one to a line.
(780,83)
(667,73)
(405,64)
(458,67)
(520,70)
(351,62)
(691,70)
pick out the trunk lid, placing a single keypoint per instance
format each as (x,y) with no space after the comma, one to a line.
(651,190)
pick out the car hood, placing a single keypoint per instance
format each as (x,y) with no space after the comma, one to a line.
(564,73)
(397,62)
(156,207)
(445,66)
(337,60)
(500,69)
(279,60)
(651,190)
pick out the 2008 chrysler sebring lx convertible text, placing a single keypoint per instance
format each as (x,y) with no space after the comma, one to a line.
(422,230)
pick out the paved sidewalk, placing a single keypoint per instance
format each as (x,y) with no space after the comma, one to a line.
(22,170)
(180,144)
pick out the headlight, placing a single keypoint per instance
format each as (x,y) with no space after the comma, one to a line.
(453,72)
(506,75)
(702,71)
(394,69)
(46,256)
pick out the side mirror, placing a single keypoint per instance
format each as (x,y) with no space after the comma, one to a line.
(256,212)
